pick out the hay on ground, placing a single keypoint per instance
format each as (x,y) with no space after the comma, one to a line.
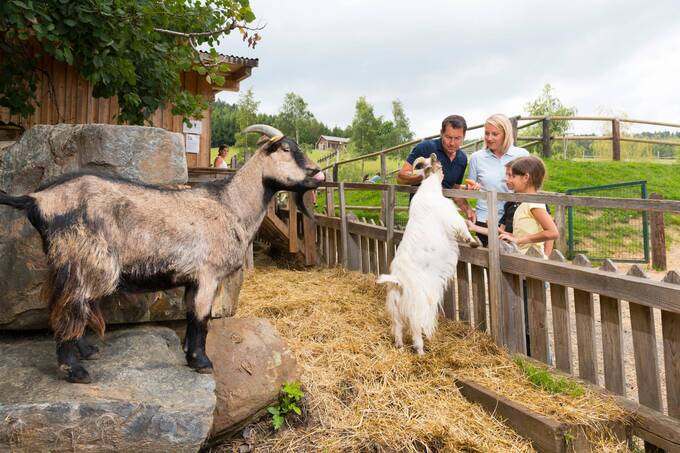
(362,394)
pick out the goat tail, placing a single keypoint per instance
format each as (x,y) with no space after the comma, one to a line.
(21,202)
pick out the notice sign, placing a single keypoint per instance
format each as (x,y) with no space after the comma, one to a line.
(193,143)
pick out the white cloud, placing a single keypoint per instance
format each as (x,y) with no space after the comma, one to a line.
(473,58)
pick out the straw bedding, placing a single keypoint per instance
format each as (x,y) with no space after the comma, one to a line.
(364,395)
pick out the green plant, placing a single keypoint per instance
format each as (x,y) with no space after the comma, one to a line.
(545,380)
(289,397)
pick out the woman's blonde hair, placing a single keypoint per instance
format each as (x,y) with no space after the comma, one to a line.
(502,122)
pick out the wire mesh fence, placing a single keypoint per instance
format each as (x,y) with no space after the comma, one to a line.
(617,234)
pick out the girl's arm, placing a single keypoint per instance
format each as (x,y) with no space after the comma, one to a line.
(549,229)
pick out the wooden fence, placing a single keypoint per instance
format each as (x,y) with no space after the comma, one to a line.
(545,140)
(574,310)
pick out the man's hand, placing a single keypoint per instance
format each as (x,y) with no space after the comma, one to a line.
(471,215)
(406,176)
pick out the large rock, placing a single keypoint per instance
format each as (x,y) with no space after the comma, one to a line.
(251,363)
(146,154)
(143,397)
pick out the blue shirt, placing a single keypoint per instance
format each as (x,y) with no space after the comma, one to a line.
(489,171)
(454,170)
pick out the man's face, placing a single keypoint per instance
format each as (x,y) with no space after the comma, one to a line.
(452,139)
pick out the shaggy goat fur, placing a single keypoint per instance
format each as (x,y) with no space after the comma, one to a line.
(426,258)
(103,234)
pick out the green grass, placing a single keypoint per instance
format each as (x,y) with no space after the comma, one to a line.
(544,379)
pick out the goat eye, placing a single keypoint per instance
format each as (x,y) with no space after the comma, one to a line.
(419,166)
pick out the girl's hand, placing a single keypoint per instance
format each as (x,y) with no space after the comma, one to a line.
(469,224)
(508,237)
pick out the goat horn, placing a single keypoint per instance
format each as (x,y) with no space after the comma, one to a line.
(269,131)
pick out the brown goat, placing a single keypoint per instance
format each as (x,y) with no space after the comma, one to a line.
(103,234)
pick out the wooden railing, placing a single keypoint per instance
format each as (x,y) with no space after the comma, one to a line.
(494,278)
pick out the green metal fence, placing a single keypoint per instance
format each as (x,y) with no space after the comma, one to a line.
(618,234)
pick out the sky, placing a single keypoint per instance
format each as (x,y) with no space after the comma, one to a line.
(473,58)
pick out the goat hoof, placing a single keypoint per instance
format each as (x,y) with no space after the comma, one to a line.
(78,375)
(207,370)
(200,363)
(91,354)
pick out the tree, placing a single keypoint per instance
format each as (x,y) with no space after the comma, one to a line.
(293,115)
(364,128)
(223,123)
(133,49)
(245,116)
(549,105)
(402,125)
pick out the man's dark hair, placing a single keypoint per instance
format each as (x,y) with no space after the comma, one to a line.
(455,121)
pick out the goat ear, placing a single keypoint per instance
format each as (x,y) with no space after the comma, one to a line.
(433,157)
(273,143)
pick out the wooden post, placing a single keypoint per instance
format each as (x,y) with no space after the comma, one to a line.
(644,349)
(335,172)
(561,222)
(389,223)
(343,225)
(514,332)
(309,231)
(585,329)
(479,297)
(616,139)
(559,299)
(670,323)
(513,121)
(658,233)
(449,302)
(463,292)
(537,315)
(292,224)
(612,339)
(496,321)
(383,169)
(234,161)
(547,151)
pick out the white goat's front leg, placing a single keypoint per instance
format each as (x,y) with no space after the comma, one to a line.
(199,301)
(417,338)
(397,326)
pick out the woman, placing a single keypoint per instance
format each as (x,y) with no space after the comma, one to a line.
(487,166)
(221,159)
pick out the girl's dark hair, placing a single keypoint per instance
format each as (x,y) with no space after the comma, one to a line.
(529,165)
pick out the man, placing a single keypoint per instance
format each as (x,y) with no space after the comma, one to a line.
(452,158)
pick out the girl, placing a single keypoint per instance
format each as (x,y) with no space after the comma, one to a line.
(532,224)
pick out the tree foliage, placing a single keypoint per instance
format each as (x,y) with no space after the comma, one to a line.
(364,128)
(133,49)
(246,115)
(293,115)
(547,104)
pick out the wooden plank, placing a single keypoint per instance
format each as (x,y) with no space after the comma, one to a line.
(559,299)
(449,300)
(309,231)
(478,297)
(389,223)
(59,81)
(477,256)
(71,101)
(658,236)
(494,273)
(463,285)
(366,230)
(537,315)
(373,254)
(585,329)
(113,110)
(343,225)
(84,94)
(634,204)
(339,246)
(514,335)
(365,255)
(292,224)
(353,252)
(652,426)
(333,247)
(644,348)
(612,340)
(670,324)
(382,258)
(634,289)
(545,434)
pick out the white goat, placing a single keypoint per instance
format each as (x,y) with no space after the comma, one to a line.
(426,257)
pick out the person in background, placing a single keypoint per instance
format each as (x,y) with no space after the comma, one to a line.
(365,179)
(375,179)
(487,166)
(453,159)
(221,159)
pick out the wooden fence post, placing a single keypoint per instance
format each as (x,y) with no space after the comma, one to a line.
(343,225)
(547,151)
(383,168)
(234,161)
(670,324)
(513,121)
(616,139)
(336,169)
(561,222)
(585,329)
(612,339)
(389,223)
(658,237)
(309,230)
(496,322)
(292,224)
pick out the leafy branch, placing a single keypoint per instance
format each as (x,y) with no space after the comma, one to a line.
(289,397)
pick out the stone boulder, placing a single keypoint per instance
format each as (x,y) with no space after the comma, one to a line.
(143,397)
(251,363)
(145,154)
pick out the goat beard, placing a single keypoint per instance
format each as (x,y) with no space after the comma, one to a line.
(300,202)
